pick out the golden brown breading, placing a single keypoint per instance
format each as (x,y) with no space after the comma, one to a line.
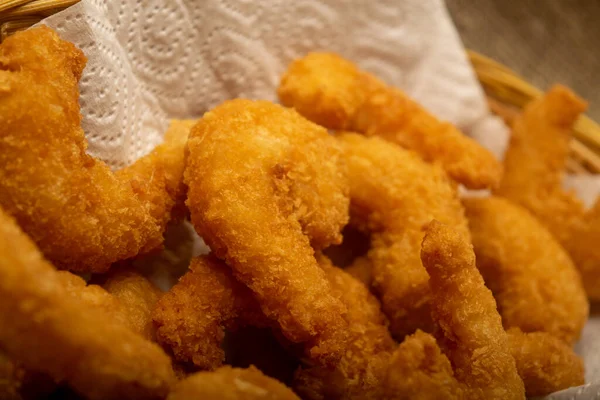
(137,297)
(81,215)
(534,167)
(394,194)
(418,370)
(533,279)
(265,184)
(228,383)
(191,318)
(45,330)
(333,92)
(470,326)
(11,379)
(360,372)
(361,269)
(545,363)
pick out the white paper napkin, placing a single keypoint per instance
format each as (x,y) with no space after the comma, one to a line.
(151,60)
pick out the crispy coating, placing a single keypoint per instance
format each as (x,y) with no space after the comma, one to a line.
(545,363)
(471,332)
(228,383)
(265,184)
(11,379)
(361,269)
(533,279)
(534,166)
(81,215)
(360,372)
(137,297)
(333,92)
(191,318)
(394,194)
(47,331)
(418,370)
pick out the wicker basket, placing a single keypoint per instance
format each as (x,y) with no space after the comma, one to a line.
(507,92)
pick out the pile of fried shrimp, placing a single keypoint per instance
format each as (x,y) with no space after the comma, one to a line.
(343,262)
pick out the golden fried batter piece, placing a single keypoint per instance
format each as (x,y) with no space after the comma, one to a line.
(46,331)
(228,383)
(533,279)
(534,167)
(11,379)
(191,318)
(333,92)
(360,372)
(419,370)
(265,184)
(81,215)
(137,297)
(394,193)
(545,363)
(471,332)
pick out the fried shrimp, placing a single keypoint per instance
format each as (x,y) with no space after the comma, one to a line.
(228,383)
(333,92)
(81,215)
(545,363)
(534,166)
(394,194)
(360,372)
(471,333)
(192,317)
(137,297)
(265,184)
(533,279)
(46,331)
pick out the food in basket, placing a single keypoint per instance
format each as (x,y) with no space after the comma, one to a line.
(475,361)
(270,191)
(231,384)
(534,167)
(393,194)
(82,215)
(333,92)
(265,184)
(534,281)
(192,317)
(46,330)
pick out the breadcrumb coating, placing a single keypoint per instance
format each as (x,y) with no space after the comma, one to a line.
(47,331)
(534,166)
(265,184)
(533,279)
(81,215)
(191,318)
(360,372)
(395,194)
(228,383)
(545,363)
(333,92)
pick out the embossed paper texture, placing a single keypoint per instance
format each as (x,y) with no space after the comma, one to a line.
(152,60)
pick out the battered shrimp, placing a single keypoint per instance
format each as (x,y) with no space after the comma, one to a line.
(471,333)
(534,166)
(137,297)
(533,279)
(394,194)
(191,318)
(81,215)
(46,331)
(228,383)
(262,181)
(360,372)
(545,363)
(333,92)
